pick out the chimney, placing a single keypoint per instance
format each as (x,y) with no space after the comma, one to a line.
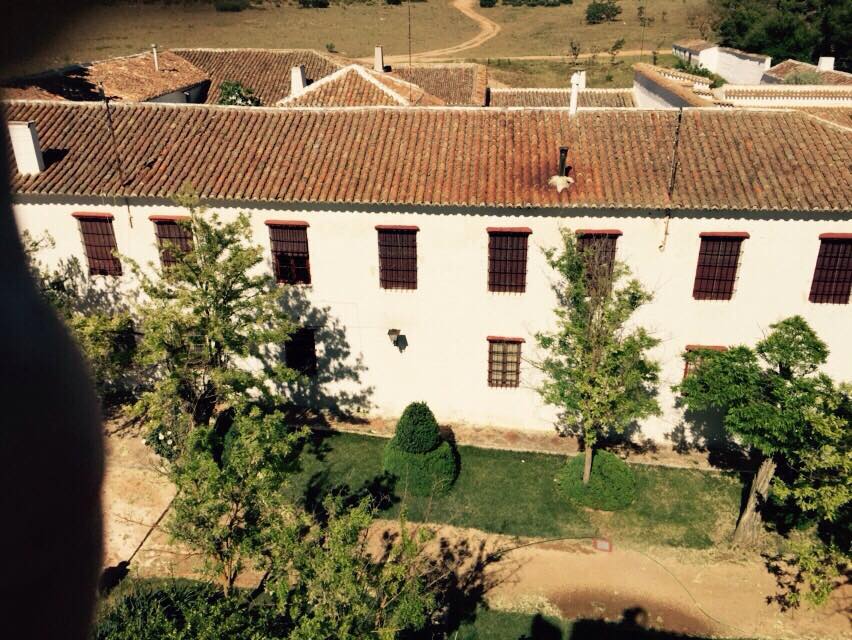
(297,80)
(825,64)
(379,59)
(26,147)
(582,77)
(156,59)
(575,94)
(563,159)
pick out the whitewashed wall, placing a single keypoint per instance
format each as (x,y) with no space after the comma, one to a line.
(447,319)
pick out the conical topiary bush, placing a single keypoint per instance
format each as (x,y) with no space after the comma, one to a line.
(423,462)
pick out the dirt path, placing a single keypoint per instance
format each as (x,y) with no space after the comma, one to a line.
(701,592)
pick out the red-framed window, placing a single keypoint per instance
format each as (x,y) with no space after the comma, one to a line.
(718,261)
(99,244)
(689,364)
(597,246)
(507,259)
(832,281)
(300,351)
(174,237)
(290,257)
(397,256)
(504,361)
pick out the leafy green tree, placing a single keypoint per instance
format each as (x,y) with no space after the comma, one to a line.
(599,11)
(235,94)
(229,490)
(597,370)
(768,395)
(203,319)
(330,585)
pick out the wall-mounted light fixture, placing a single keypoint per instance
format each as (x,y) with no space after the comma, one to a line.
(394,334)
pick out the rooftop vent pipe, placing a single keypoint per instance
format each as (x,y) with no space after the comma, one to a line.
(379,59)
(563,158)
(156,58)
(26,147)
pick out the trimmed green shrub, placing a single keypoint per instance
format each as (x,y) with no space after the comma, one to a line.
(231,5)
(422,474)
(612,485)
(417,430)
(602,11)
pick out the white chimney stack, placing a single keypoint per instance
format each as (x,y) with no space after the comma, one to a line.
(26,147)
(379,59)
(825,64)
(297,80)
(156,59)
(575,93)
(581,78)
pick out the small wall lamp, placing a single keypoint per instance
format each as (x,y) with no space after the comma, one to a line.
(394,334)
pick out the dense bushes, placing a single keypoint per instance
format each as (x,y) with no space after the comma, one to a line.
(612,485)
(417,456)
(231,5)
(602,11)
(234,94)
(313,4)
(694,69)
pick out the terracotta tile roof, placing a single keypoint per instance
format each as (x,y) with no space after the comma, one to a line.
(611,98)
(788,92)
(838,115)
(677,83)
(621,158)
(266,71)
(695,45)
(131,78)
(356,86)
(780,71)
(460,83)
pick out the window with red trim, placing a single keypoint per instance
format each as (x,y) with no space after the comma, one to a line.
(690,362)
(507,260)
(504,363)
(598,251)
(290,259)
(100,246)
(300,351)
(832,280)
(174,238)
(397,258)
(716,273)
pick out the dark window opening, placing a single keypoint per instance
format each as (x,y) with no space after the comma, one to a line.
(398,258)
(716,273)
(832,281)
(598,252)
(290,260)
(100,246)
(300,351)
(173,239)
(507,261)
(690,363)
(504,362)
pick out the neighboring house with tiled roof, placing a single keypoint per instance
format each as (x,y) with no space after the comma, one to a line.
(456,83)
(357,86)
(534,97)
(735,66)
(825,71)
(158,77)
(428,223)
(785,95)
(265,71)
(658,87)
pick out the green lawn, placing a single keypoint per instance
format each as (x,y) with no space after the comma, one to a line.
(514,493)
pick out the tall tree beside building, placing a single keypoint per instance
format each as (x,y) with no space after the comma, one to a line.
(205,316)
(597,369)
(799,29)
(773,396)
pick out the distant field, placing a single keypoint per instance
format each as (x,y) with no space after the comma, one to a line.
(354,29)
(548,30)
(119,29)
(557,73)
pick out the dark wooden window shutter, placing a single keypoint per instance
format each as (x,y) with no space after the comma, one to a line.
(300,352)
(507,260)
(172,236)
(716,273)
(504,362)
(100,246)
(832,281)
(290,259)
(397,257)
(598,251)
